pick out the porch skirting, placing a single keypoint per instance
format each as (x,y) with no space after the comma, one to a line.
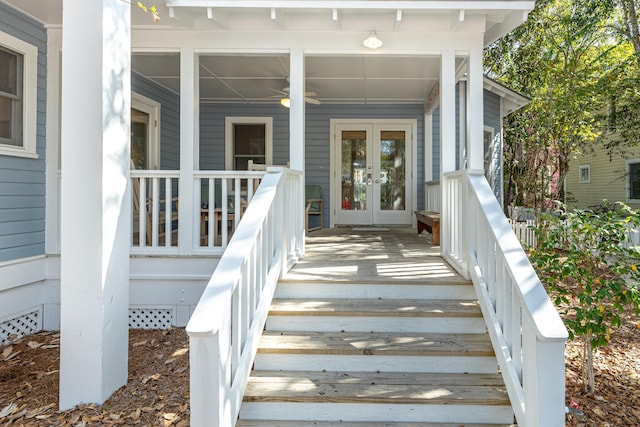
(163,293)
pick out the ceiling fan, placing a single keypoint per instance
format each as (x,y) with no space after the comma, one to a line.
(285,100)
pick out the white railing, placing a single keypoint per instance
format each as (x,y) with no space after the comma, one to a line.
(220,198)
(432,196)
(527,333)
(226,326)
(156,202)
(525,231)
(155,211)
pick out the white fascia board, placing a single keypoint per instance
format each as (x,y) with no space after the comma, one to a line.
(357,4)
(336,42)
(513,99)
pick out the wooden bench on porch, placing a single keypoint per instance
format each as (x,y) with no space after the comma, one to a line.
(430,221)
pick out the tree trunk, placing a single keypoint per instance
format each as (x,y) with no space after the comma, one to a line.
(590,383)
(631,22)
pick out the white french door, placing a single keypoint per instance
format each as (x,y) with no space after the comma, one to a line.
(373,173)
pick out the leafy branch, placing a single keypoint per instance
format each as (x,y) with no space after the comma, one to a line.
(152,10)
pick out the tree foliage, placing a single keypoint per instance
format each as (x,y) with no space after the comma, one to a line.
(576,61)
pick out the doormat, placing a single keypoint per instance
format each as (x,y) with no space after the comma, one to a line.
(370,229)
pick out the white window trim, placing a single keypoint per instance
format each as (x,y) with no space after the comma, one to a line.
(30,99)
(152,108)
(580,169)
(228,137)
(628,181)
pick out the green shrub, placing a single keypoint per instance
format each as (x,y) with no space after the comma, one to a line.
(585,260)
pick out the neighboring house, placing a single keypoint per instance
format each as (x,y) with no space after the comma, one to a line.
(192,99)
(597,175)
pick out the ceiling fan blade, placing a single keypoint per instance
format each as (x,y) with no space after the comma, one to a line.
(282,93)
(312,101)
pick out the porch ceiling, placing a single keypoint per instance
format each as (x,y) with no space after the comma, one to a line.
(333,79)
(379,78)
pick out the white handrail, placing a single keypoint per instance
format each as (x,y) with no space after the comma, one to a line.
(526,331)
(227,323)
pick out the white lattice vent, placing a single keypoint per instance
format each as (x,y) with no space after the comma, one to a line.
(26,324)
(150,318)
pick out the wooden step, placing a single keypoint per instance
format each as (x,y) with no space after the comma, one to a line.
(435,290)
(385,352)
(379,315)
(376,387)
(371,344)
(345,392)
(375,307)
(281,423)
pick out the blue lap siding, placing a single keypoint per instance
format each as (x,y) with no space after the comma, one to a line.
(22,180)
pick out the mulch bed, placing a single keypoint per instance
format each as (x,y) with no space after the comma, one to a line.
(157,393)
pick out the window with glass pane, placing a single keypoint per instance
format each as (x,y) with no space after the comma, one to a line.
(354,170)
(249,144)
(392,170)
(634,181)
(584,174)
(10,97)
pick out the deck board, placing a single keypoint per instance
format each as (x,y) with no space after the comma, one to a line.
(382,344)
(383,388)
(370,255)
(282,423)
(374,307)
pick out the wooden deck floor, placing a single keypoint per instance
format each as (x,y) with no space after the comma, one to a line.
(371,254)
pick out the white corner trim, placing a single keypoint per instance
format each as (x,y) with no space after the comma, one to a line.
(22,271)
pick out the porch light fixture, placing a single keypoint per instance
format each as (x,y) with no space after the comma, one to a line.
(372,42)
(285,102)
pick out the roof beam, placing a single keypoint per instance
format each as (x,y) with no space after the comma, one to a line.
(511,21)
(180,16)
(457,19)
(219,17)
(521,5)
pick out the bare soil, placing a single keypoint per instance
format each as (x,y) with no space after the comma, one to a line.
(157,393)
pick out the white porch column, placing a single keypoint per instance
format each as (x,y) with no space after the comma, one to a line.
(447,141)
(448,112)
(296,113)
(297,120)
(189,106)
(96,204)
(475,110)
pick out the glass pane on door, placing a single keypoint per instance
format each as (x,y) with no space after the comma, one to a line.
(392,170)
(354,170)
(139,139)
(249,144)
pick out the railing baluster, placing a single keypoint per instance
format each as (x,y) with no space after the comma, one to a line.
(142,212)
(168,217)
(212,227)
